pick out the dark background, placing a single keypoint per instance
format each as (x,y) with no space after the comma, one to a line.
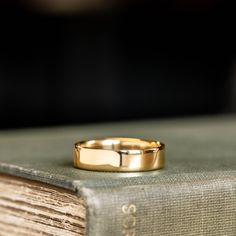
(129,61)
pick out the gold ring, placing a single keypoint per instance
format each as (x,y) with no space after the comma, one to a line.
(119,154)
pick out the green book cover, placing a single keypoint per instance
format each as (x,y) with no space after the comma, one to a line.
(195,194)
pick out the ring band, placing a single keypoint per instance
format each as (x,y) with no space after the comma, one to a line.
(119,154)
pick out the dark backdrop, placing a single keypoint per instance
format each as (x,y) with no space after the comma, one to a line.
(145,60)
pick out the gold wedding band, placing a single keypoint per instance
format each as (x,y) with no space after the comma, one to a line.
(119,154)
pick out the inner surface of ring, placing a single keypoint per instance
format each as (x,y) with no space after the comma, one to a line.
(121,144)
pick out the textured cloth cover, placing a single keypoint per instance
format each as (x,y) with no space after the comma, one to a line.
(194,195)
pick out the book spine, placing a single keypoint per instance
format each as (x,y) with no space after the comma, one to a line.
(200,206)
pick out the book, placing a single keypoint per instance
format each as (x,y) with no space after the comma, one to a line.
(41,193)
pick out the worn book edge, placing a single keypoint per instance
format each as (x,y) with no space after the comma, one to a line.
(34,208)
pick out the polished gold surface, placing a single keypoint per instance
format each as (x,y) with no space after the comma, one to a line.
(119,154)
